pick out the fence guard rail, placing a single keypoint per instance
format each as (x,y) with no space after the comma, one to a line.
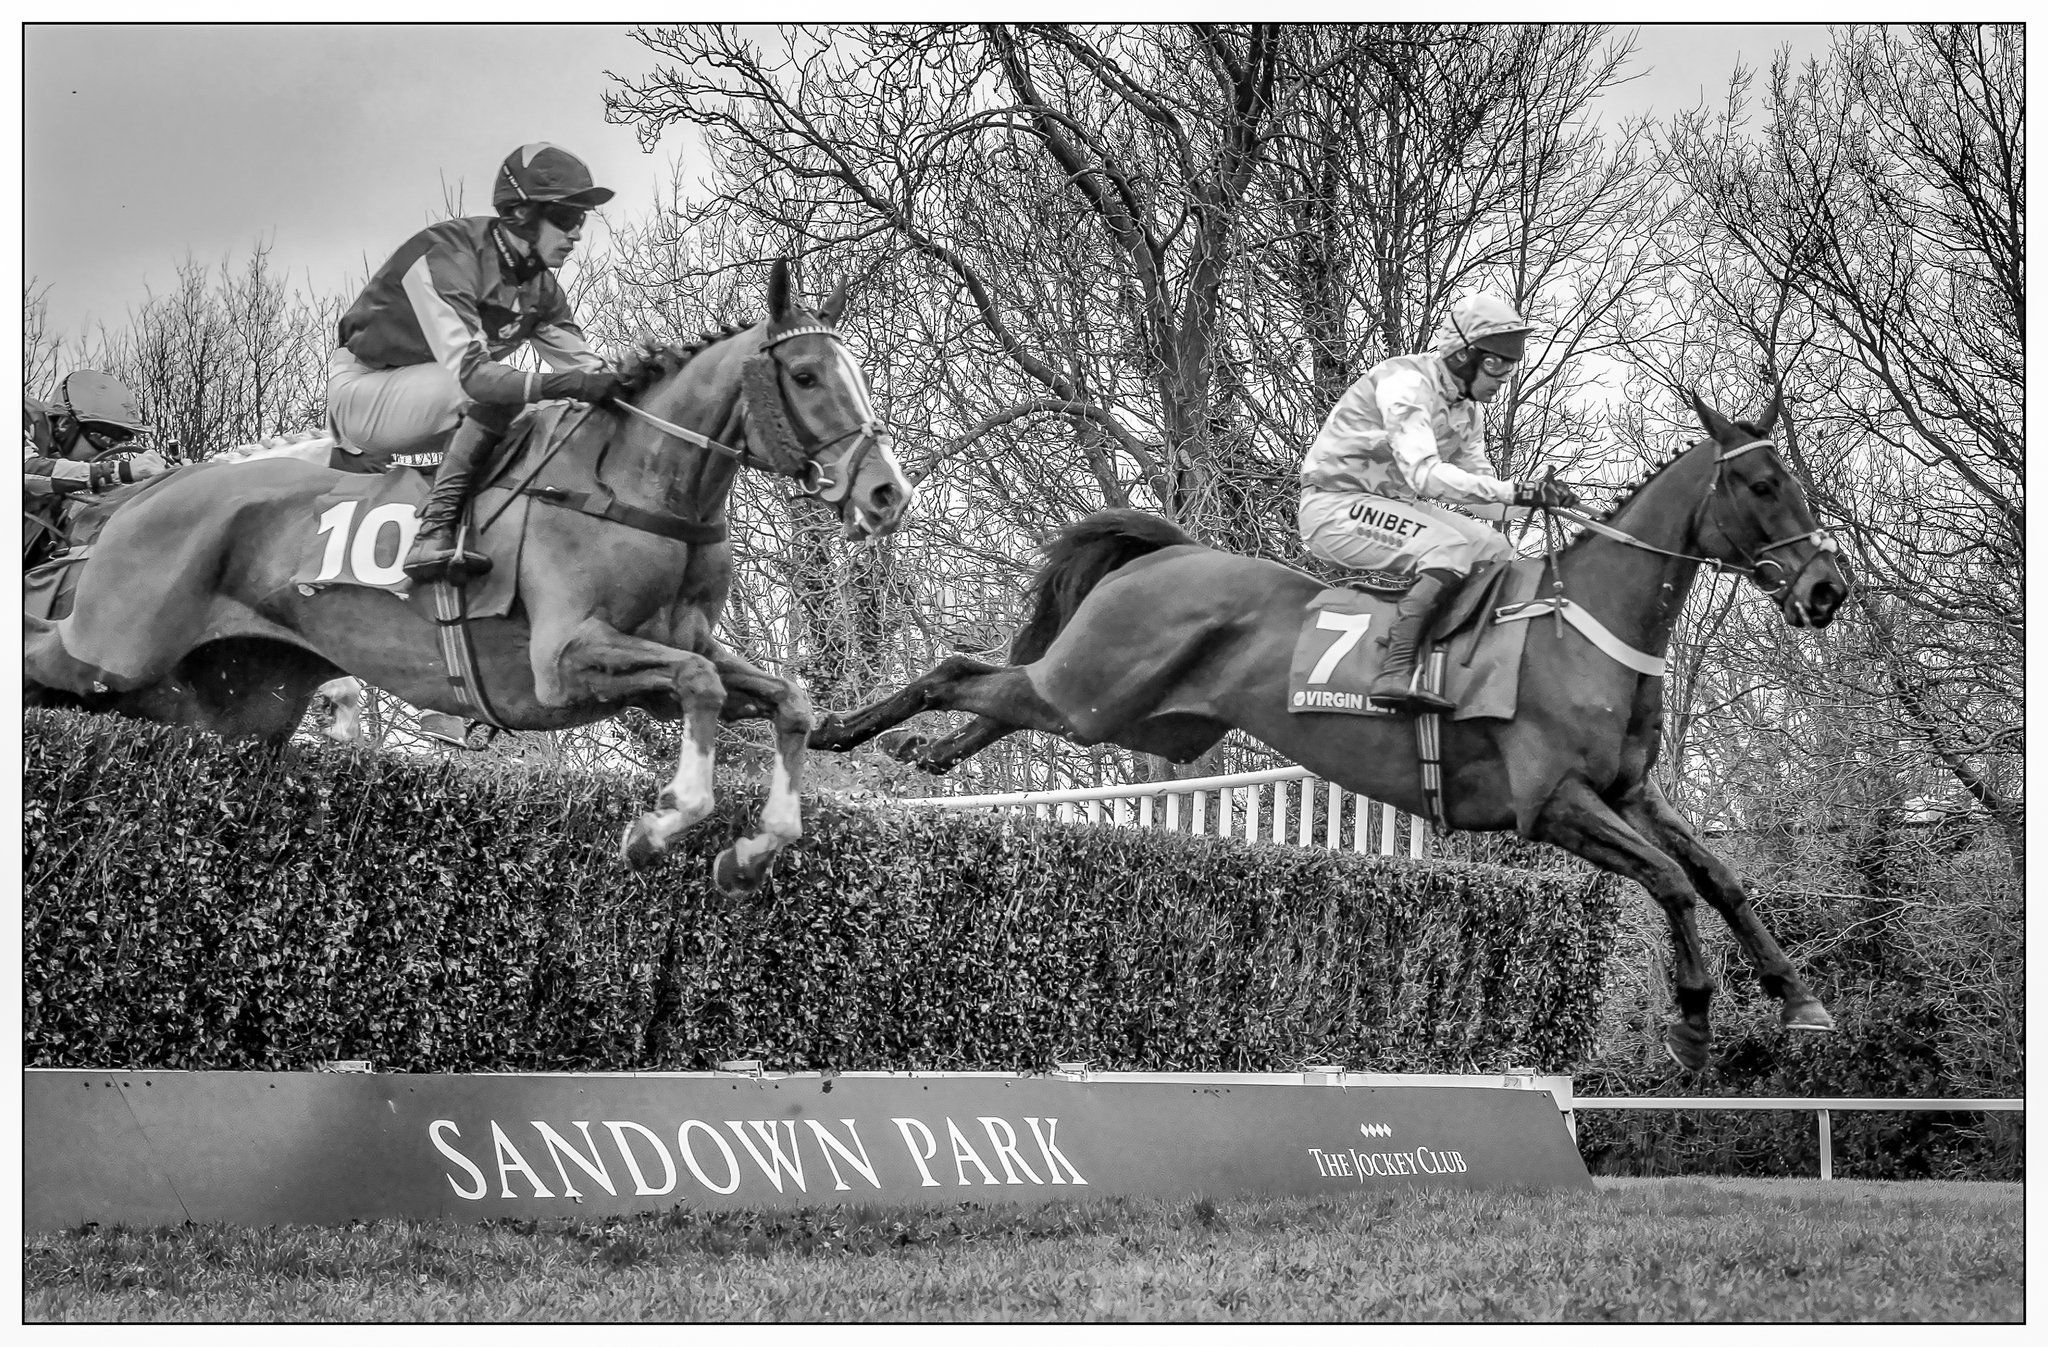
(1821,1107)
(1196,791)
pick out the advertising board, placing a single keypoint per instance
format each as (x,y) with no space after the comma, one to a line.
(157,1148)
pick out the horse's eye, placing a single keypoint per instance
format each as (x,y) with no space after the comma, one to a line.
(1764,488)
(805,379)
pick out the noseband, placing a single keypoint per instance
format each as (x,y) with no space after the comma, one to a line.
(793,452)
(1760,558)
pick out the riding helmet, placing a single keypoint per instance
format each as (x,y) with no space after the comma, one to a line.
(541,173)
(95,397)
(1487,323)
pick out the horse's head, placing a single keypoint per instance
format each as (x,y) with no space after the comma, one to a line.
(808,412)
(1756,517)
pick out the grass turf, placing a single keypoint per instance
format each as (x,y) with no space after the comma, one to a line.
(1659,1250)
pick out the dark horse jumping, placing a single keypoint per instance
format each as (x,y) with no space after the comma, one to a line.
(186,610)
(1142,638)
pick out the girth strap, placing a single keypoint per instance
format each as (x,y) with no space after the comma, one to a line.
(604,505)
(458,655)
(1429,742)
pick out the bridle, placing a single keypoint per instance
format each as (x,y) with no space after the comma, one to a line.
(795,450)
(1759,558)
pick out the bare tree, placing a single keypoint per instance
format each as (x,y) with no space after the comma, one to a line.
(1868,247)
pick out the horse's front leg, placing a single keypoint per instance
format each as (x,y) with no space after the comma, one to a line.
(1578,820)
(741,867)
(1649,813)
(595,662)
(840,734)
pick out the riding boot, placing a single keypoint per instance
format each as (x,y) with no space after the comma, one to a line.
(434,554)
(1394,689)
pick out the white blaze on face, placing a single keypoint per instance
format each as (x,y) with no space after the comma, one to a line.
(856,383)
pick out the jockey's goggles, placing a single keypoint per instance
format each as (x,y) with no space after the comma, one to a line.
(1496,365)
(106,436)
(563,216)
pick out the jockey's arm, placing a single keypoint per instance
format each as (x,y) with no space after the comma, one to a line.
(68,477)
(442,288)
(1405,409)
(563,347)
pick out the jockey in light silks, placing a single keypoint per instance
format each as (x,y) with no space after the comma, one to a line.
(75,444)
(422,347)
(1410,433)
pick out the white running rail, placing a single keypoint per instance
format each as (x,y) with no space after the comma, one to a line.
(1822,1109)
(1242,807)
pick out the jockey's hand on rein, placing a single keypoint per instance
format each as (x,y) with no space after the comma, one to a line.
(592,386)
(1545,494)
(137,467)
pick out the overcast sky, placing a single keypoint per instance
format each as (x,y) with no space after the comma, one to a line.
(142,144)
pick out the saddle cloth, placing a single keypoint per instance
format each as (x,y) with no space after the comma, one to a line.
(1343,644)
(359,532)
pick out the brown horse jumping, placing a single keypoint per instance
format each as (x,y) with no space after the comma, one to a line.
(1142,638)
(186,610)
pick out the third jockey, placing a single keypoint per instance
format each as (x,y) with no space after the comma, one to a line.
(422,347)
(1408,434)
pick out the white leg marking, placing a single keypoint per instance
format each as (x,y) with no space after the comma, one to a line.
(781,820)
(691,789)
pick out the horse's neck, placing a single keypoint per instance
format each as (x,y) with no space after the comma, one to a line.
(649,467)
(1636,593)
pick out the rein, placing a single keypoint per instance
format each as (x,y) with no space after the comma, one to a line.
(1611,645)
(764,405)
(1758,558)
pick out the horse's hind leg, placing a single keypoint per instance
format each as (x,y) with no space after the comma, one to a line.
(1578,820)
(1652,815)
(952,750)
(347,696)
(840,734)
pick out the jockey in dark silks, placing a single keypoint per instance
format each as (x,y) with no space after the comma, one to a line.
(422,347)
(74,448)
(1407,434)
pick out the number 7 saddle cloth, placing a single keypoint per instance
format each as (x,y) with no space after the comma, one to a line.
(1468,657)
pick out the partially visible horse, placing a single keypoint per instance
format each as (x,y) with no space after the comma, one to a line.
(1142,638)
(187,610)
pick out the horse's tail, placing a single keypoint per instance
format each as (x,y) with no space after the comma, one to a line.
(1075,562)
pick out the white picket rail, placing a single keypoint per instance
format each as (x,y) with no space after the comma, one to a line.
(1821,1108)
(1183,806)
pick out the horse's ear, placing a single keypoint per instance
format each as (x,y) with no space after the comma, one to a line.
(835,303)
(1768,422)
(1718,426)
(778,289)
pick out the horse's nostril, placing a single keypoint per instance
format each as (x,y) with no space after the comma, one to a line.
(884,495)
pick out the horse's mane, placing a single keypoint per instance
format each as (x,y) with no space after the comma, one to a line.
(653,361)
(1629,490)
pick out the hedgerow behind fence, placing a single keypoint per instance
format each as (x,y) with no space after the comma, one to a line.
(191,904)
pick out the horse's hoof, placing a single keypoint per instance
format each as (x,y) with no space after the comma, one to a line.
(824,735)
(637,845)
(735,880)
(905,747)
(1809,1016)
(1687,1046)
